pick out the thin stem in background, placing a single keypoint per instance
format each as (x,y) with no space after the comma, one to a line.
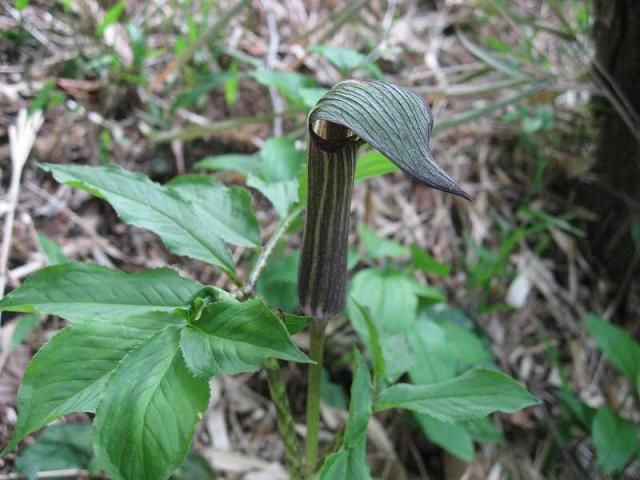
(286,426)
(268,250)
(316,353)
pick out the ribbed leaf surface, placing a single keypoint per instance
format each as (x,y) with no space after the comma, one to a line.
(80,292)
(393,120)
(69,372)
(148,411)
(184,227)
(235,337)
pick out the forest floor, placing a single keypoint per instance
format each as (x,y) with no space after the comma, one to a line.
(510,99)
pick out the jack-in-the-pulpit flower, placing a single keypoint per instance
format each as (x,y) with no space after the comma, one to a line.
(394,121)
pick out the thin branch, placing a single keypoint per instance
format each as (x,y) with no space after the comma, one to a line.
(268,250)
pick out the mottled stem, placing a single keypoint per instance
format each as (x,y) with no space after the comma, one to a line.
(286,426)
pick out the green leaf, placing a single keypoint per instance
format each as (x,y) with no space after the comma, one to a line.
(59,447)
(232,215)
(619,347)
(26,324)
(373,164)
(69,372)
(148,411)
(427,263)
(22,4)
(231,85)
(389,296)
(433,364)
(295,323)
(195,467)
(474,394)
(389,343)
(345,59)
(615,439)
(375,346)
(51,250)
(185,228)
(278,284)
(79,292)
(288,84)
(378,247)
(281,160)
(110,17)
(311,95)
(453,438)
(359,405)
(350,461)
(235,337)
(394,121)
(282,195)
(233,162)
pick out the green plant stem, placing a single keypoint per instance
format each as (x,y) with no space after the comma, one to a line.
(267,251)
(286,427)
(316,353)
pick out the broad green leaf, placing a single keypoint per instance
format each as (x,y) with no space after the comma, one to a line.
(288,84)
(393,120)
(615,439)
(390,343)
(378,247)
(68,373)
(427,263)
(464,346)
(232,215)
(281,160)
(22,4)
(233,162)
(484,430)
(373,164)
(60,447)
(282,195)
(345,59)
(295,323)
(79,292)
(474,394)
(278,284)
(148,411)
(235,337)
(184,227)
(26,324)
(389,296)
(453,438)
(51,250)
(433,363)
(618,346)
